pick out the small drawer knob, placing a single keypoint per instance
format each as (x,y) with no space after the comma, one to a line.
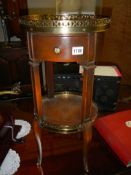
(57,50)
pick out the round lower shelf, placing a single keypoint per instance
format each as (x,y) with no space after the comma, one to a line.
(62,113)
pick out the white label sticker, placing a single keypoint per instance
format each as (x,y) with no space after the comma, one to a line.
(77,50)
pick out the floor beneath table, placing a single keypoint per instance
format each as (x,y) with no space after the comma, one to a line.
(62,154)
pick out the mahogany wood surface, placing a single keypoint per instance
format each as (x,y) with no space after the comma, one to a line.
(62,154)
(59,48)
(42,47)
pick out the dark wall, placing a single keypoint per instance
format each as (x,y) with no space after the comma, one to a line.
(115,45)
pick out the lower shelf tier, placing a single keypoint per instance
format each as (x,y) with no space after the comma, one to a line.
(62,113)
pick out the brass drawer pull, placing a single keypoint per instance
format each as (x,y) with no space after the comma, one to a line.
(57,50)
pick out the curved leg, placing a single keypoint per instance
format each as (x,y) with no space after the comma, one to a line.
(87,136)
(41,170)
(37,133)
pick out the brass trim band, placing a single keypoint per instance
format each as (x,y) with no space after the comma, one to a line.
(66,129)
(65,24)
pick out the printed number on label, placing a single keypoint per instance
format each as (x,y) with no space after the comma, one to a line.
(77,50)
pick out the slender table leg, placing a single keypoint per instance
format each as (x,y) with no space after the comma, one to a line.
(38,111)
(37,132)
(88,78)
(87,136)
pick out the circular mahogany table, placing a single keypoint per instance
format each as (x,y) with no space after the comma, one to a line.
(63,38)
